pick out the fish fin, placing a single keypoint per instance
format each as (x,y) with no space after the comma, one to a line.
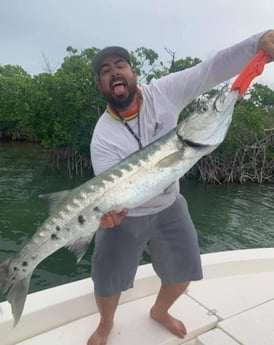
(170,160)
(80,246)
(54,199)
(14,289)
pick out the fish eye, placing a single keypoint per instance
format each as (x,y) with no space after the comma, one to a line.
(204,108)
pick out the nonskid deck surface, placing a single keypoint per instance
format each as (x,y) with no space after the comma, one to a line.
(233,305)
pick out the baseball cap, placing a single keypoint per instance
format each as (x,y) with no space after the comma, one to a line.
(106,52)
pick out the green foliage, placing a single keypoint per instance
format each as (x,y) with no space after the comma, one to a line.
(15,88)
(182,64)
(146,65)
(61,109)
(263,97)
(253,120)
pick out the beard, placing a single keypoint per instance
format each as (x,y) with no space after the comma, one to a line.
(121,102)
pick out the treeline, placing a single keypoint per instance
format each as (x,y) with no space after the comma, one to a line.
(59,109)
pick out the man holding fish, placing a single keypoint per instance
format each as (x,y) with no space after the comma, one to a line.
(135,117)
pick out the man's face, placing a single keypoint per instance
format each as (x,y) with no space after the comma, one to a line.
(117,82)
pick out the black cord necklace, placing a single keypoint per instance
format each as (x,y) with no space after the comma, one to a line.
(129,128)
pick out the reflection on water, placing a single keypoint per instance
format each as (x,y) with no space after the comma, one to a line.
(226,217)
(232,217)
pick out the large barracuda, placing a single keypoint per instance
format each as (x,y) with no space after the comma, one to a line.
(135,180)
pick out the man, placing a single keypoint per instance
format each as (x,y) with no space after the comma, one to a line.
(135,117)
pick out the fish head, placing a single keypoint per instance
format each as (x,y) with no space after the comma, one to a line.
(208,125)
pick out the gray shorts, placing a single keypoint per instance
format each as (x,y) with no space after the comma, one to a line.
(172,241)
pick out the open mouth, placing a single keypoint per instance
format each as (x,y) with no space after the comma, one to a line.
(118,87)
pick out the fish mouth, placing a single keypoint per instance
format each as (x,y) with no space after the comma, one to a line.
(194,144)
(191,143)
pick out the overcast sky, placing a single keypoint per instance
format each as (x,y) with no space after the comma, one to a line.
(196,28)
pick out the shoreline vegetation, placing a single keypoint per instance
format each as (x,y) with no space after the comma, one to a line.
(59,109)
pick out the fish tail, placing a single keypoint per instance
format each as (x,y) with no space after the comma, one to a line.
(14,287)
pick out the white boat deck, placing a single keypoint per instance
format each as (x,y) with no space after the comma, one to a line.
(233,305)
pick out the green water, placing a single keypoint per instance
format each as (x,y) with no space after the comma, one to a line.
(226,217)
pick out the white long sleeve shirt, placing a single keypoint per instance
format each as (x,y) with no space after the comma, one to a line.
(163,100)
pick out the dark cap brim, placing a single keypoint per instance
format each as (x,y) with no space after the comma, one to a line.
(106,52)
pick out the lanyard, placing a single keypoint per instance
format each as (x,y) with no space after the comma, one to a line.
(137,137)
(126,124)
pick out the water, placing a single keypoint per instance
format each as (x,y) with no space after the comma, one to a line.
(226,217)
(232,217)
(25,173)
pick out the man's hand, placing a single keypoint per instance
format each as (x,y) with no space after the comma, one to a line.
(266,44)
(111,219)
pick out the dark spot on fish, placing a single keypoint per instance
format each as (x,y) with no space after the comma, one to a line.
(68,229)
(118,173)
(109,178)
(54,237)
(58,228)
(96,209)
(15,268)
(24,263)
(128,167)
(24,270)
(81,219)
(34,257)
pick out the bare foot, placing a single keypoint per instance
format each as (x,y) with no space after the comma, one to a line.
(175,326)
(100,336)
